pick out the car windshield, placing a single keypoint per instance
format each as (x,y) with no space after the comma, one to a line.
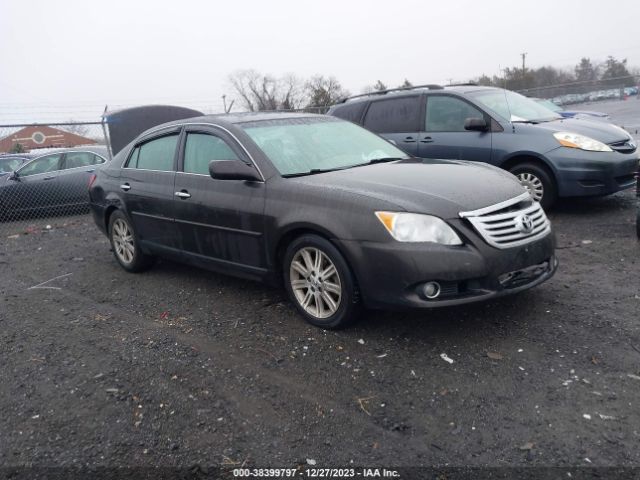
(315,144)
(514,107)
(549,104)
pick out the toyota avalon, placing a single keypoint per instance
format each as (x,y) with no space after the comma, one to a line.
(337,214)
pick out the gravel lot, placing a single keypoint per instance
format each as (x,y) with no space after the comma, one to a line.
(178,367)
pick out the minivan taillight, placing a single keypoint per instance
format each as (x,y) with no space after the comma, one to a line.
(92,179)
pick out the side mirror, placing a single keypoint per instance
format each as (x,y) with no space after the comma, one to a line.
(14,176)
(233,170)
(476,124)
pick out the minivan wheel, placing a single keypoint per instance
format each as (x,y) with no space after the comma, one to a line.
(125,244)
(320,283)
(538,183)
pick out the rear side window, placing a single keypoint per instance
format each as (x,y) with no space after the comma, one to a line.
(447,114)
(156,154)
(350,111)
(394,115)
(201,148)
(81,159)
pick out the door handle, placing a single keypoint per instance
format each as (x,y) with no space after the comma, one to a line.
(91,171)
(126,187)
(48,178)
(183,194)
(426,140)
(409,140)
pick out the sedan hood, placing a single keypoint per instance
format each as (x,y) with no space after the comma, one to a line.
(601,131)
(438,187)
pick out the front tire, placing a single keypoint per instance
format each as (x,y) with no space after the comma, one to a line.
(125,245)
(320,283)
(538,182)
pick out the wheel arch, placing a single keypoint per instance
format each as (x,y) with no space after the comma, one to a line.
(529,157)
(291,232)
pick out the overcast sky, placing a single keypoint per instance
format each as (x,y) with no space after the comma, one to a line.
(79,55)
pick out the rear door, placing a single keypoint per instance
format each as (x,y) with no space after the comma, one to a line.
(444,135)
(146,183)
(73,178)
(36,186)
(220,221)
(398,120)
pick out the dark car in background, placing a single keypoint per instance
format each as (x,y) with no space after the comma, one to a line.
(51,182)
(552,156)
(339,215)
(9,162)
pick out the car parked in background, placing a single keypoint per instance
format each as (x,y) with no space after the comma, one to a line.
(52,182)
(552,156)
(587,114)
(339,215)
(10,162)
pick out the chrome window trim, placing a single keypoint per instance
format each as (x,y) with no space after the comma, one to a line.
(104,160)
(200,124)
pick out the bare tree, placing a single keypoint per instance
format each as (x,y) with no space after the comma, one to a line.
(260,92)
(324,91)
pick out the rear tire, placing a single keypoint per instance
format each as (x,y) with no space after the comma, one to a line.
(125,245)
(538,182)
(320,283)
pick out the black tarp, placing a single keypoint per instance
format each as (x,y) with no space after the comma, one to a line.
(125,125)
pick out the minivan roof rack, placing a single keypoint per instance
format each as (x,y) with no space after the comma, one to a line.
(430,86)
(464,84)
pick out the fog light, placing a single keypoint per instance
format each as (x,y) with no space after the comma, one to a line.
(431,290)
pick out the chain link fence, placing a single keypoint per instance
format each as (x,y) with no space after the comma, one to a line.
(619,88)
(45,172)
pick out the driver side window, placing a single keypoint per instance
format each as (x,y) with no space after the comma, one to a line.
(50,163)
(447,114)
(201,148)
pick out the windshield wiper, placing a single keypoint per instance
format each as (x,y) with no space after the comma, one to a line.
(313,171)
(383,160)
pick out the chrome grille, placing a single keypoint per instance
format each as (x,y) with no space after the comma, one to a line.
(509,224)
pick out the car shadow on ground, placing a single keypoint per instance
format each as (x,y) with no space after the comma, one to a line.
(487,319)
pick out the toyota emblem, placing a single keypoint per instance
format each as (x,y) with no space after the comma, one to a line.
(525,224)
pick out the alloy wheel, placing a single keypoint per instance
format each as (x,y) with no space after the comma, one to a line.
(533,185)
(123,241)
(315,282)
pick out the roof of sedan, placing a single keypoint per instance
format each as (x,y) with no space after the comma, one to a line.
(252,117)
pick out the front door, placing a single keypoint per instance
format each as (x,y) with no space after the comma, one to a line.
(35,188)
(445,135)
(220,221)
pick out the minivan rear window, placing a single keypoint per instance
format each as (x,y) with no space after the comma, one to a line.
(394,115)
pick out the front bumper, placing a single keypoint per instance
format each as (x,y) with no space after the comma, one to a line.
(392,275)
(581,173)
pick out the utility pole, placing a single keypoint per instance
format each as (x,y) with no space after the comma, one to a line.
(523,55)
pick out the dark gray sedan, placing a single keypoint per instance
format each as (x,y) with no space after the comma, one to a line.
(339,215)
(52,182)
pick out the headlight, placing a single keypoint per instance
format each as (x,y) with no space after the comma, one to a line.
(413,227)
(574,140)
